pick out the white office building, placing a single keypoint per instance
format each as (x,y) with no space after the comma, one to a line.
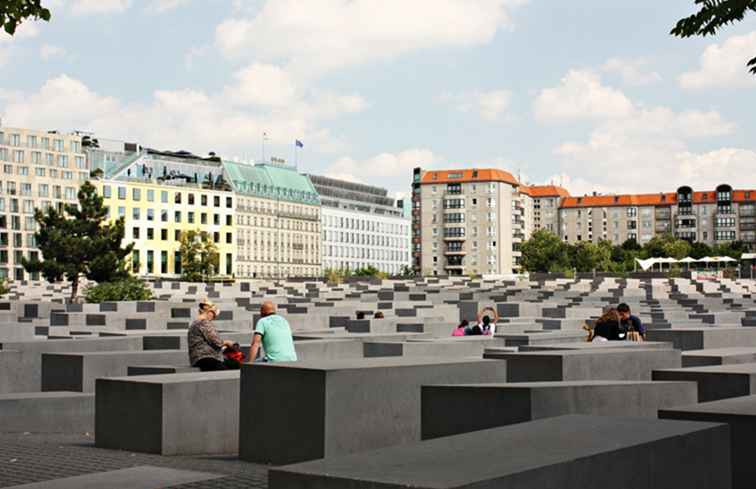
(362,227)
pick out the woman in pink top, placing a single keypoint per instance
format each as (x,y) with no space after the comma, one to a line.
(461,329)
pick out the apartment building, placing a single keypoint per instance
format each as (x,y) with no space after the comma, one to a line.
(468,221)
(546,200)
(161,195)
(40,169)
(278,221)
(362,227)
(713,217)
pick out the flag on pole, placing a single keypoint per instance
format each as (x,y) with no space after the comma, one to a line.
(298,143)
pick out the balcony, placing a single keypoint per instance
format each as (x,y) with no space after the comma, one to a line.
(454,238)
(455,253)
(454,267)
(748,226)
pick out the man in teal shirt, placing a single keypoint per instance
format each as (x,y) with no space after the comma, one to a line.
(273,333)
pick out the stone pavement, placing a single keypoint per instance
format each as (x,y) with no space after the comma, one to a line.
(34,458)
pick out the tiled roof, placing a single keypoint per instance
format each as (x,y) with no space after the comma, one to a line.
(537,191)
(271,182)
(467,176)
(660,199)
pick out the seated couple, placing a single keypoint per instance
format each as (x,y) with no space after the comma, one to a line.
(618,325)
(208,352)
(485,324)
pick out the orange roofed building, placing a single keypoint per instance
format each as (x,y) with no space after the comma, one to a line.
(473,220)
(712,217)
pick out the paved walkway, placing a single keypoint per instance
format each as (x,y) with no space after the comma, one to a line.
(34,458)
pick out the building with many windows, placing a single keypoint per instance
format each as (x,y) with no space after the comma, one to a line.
(713,217)
(278,221)
(467,221)
(362,227)
(40,169)
(161,195)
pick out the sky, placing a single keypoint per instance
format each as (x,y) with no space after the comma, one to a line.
(591,94)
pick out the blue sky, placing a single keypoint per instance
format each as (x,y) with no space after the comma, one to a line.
(591,93)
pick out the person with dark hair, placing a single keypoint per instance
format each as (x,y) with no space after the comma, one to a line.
(632,324)
(461,330)
(378,315)
(205,346)
(233,357)
(487,322)
(360,315)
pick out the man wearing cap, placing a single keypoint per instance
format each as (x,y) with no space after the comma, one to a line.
(273,333)
(205,345)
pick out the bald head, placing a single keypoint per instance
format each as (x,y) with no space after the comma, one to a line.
(267,308)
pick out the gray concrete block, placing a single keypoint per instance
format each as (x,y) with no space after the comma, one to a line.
(453,409)
(338,407)
(179,414)
(718,356)
(740,414)
(141,477)
(705,338)
(568,452)
(564,365)
(47,412)
(717,382)
(77,371)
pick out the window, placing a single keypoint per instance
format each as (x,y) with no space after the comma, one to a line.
(106,191)
(135,261)
(177,216)
(150,260)
(150,233)
(136,194)
(150,214)
(150,195)
(190,217)
(203,200)
(190,198)
(43,190)
(121,212)
(121,193)
(229,202)
(135,232)
(216,237)
(177,235)
(164,234)
(216,201)
(177,198)
(229,238)
(135,213)
(177,262)
(164,197)
(632,212)
(203,218)
(216,219)
(229,220)
(164,215)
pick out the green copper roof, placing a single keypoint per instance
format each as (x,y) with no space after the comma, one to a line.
(270,181)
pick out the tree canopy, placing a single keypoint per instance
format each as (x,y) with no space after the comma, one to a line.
(545,252)
(199,256)
(712,16)
(78,242)
(14,12)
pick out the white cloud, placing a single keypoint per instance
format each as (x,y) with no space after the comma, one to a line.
(580,95)
(190,119)
(632,71)
(723,65)
(632,148)
(161,6)
(47,51)
(92,7)
(262,84)
(8,44)
(329,34)
(489,105)
(387,168)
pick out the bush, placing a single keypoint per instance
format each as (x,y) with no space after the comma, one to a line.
(4,288)
(130,289)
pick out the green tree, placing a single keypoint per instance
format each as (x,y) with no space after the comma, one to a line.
(677,249)
(712,16)
(545,252)
(14,12)
(199,256)
(699,250)
(631,245)
(78,242)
